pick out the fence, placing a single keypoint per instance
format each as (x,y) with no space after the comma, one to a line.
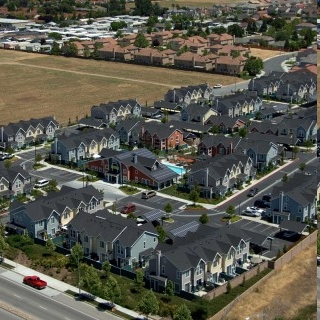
(275,265)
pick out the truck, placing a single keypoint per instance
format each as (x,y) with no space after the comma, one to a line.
(35,282)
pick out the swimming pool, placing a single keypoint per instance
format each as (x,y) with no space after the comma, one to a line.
(179,170)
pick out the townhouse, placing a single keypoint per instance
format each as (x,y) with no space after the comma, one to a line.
(110,237)
(47,216)
(216,176)
(113,112)
(76,148)
(14,181)
(295,199)
(140,166)
(197,112)
(25,132)
(225,124)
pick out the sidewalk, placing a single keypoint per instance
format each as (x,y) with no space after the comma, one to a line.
(63,287)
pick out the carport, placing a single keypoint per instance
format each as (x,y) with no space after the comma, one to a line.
(295,226)
(259,240)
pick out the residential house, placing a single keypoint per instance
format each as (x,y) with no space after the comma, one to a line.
(229,65)
(151,56)
(114,52)
(26,132)
(197,113)
(190,60)
(187,95)
(14,181)
(161,136)
(161,38)
(140,166)
(114,112)
(111,238)
(76,148)
(295,199)
(46,216)
(128,131)
(222,39)
(212,145)
(225,124)
(215,176)
(263,153)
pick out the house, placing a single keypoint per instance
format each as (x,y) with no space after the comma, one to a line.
(263,153)
(149,112)
(140,166)
(76,148)
(128,131)
(14,181)
(222,39)
(161,38)
(191,60)
(225,124)
(215,176)
(198,259)
(186,95)
(25,132)
(111,238)
(161,136)
(46,216)
(212,145)
(197,113)
(295,199)
(151,56)
(229,65)
(113,112)
(114,52)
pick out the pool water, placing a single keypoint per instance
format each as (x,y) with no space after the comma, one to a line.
(179,170)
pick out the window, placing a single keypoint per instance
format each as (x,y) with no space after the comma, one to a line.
(1,187)
(154,239)
(101,244)
(53,231)
(163,270)
(52,219)
(299,209)
(187,273)
(86,239)
(40,223)
(178,274)
(144,244)
(215,262)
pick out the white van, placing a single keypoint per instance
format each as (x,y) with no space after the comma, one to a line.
(41,183)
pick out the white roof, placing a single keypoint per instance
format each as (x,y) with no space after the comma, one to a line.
(6,20)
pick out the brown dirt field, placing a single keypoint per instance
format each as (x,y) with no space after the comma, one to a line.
(264,54)
(291,288)
(36,85)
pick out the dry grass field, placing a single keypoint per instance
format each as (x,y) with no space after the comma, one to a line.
(38,85)
(318,94)
(293,287)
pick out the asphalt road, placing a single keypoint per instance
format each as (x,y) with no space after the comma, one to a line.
(318,293)
(46,304)
(274,64)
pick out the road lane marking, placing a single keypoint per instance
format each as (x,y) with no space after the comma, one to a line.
(17,296)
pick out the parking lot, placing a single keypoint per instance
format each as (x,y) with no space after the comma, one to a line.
(62,176)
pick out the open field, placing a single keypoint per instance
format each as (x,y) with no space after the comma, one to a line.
(292,288)
(265,54)
(318,93)
(39,85)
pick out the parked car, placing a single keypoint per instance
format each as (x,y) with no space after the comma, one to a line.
(252,212)
(148,194)
(217,86)
(261,204)
(266,197)
(289,234)
(318,261)
(35,282)
(4,156)
(41,183)
(128,208)
(253,192)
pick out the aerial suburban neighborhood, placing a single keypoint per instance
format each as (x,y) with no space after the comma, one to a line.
(188,185)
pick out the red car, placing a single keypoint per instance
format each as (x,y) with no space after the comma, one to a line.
(35,281)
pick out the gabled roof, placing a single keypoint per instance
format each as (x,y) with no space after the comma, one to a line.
(13,172)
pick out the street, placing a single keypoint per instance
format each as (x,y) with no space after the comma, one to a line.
(45,304)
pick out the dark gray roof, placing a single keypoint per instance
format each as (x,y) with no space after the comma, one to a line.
(293,225)
(11,173)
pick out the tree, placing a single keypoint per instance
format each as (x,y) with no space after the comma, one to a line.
(194,196)
(204,219)
(75,257)
(148,304)
(38,158)
(3,246)
(170,288)
(251,26)
(50,246)
(111,289)
(91,279)
(86,52)
(229,288)
(139,280)
(235,30)
(253,66)
(182,313)
(52,186)
(295,151)
(161,234)
(7,163)
(106,267)
(243,132)
(231,210)
(55,50)
(264,26)
(285,178)
(235,53)
(141,41)
(143,8)
(286,44)
(215,129)
(308,37)
(168,207)
(258,115)
(69,49)
(302,166)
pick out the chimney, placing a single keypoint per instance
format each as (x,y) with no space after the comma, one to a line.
(134,158)
(281,196)
(56,145)
(207,177)
(158,262)
(113,53)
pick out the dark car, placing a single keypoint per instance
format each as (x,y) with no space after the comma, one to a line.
(266,197)
(128,208)
(253,192)
(261,204)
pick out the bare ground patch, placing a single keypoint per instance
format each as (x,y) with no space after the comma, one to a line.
(293,287)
